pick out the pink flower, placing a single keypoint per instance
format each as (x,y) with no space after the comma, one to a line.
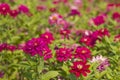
(54,18)
(80,68)
(116,16)
(47,37)
(35,46)
(117,38)
(1,74)
(4,8)
(65,33)
(63,54)
(53,10)
(3,46)
(110,6)
(47,54)
(13,13)
(11,47)
(88,40)
(63,23)
(82,53)
(101,33)
(74,11)
(23,9)
(41,8)
(102,61)
(99,20)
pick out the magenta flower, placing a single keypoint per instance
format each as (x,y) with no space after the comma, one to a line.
(74,11)
(101,33)
(65,33)
(63,54)
(35,46)
(99,20)
(117,38)
(1,74)
(13,13)
(4,8)
(82,53)
(47,36)
(116,16)
(88,40)
(11,47)
(47,54)
(23,9)
(3,46)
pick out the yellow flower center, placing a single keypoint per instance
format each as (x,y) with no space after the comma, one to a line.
(79,66)
(54,18)
(83,51)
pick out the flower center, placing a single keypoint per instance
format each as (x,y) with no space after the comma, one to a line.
(79,66)
(83,51)
(3,8)
(46,36)
(54,18)
(35,44)
(85,40)
(64,52)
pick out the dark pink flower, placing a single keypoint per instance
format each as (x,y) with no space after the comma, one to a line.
(116,16)
(117,38)
(53,10)
(41,8)
(80,68)
(35,46)
(47,54)
(110,6)
(88,40)
(1,74)
(11,47)
(63,54)
(98,20)
(74,11)
(47,37)
(13,13)
(101,33)
(23,9)
(3,46)
(82,53)
(65,33)
(4,8)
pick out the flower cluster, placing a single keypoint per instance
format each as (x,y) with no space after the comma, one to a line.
(5,46)
(5,9)
(91,38)
(39,45)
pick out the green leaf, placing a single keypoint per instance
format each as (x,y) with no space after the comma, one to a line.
(49,75)
(65,68)
(72,77)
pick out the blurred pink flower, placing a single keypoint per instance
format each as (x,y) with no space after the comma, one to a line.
(4,9)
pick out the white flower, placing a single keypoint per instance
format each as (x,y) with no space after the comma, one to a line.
(98,58)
